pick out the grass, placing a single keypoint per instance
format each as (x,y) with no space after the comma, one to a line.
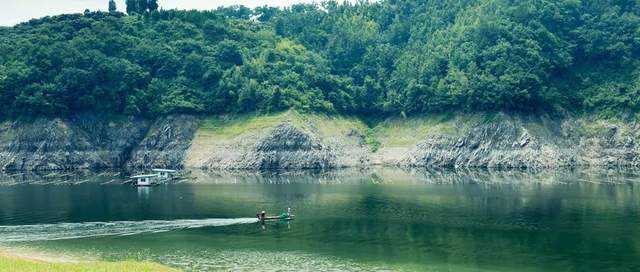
(334,125)
(404,132)
(240,124)
(18,264)
(372,141)
(234,126)
(601,126)
(6,134)
(394,132)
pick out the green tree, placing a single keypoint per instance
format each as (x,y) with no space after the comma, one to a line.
(352,35)
(371,58)
(229,52)
(215,30)
(112,6)
(153,5)
(132,6)
(143,6)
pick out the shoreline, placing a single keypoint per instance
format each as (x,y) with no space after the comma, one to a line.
(33,256)
(343,175)
(20,259)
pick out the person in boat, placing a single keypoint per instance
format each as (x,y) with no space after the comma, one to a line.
(286,214)
(262,216)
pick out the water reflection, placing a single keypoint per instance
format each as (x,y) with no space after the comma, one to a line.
(62,177)
(384,175)
(441,220)
(275,225)
(143,192)
(376,175)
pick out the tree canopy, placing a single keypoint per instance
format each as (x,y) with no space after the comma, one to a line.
(112,6)
(382,58)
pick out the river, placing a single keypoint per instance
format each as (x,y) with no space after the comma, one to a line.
(375,220)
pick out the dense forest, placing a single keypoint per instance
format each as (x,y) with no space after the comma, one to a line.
(390,57)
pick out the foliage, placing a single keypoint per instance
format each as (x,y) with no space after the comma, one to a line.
(390,57)
(371,140)
(139,6)
(152,5)
(132,6)
(112,6)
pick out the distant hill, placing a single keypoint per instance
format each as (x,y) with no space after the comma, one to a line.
(385,58)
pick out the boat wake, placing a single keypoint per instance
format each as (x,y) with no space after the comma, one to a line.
(64,231)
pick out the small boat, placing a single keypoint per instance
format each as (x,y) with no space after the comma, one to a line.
(285,216)
(282,217)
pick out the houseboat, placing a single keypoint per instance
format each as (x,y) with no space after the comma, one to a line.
(145,180)
(164,173)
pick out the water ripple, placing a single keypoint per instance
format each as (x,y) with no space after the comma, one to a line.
(64,231)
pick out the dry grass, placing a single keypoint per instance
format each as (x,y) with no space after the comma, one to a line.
(398,132)
(391,133)
(237,125)
(32,264)
(234,126)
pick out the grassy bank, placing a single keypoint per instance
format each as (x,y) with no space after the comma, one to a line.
(19,263)
(233,126)
(389,133)
(391,140)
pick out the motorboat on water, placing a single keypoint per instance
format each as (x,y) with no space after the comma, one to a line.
(285,216)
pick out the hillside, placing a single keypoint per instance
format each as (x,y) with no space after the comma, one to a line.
(384,58)
(491,84)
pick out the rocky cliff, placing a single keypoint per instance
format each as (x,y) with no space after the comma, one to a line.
(84,141)
(507,141)
(286,142)
(88,141)
(291,141)
(165,143)
(285,147)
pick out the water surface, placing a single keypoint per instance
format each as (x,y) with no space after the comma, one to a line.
(378,220)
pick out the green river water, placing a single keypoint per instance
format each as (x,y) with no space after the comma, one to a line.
(378,220)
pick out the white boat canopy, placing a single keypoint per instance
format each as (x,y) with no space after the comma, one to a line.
(164,170)
(145,176)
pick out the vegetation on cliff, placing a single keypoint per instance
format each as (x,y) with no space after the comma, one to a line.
(391,57)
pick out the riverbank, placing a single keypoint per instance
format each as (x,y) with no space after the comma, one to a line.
(35,262)
(293,141)
(373,175)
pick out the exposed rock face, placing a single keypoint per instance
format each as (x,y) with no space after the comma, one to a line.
(285,147)
(291,148)
(166,143)
(518,142)
(89,141)
(611,145)
(85,141)
(493,145)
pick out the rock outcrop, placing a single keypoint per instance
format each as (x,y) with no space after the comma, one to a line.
(522,142)
(286,147)
(88,141)
(295,141)
(166,143)
(82,142)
